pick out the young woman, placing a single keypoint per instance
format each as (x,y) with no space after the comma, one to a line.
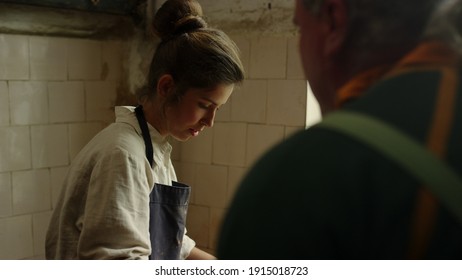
(120,199)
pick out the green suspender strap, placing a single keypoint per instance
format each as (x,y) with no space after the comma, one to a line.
(442,180)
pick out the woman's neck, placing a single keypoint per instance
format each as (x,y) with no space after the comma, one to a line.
(153,114)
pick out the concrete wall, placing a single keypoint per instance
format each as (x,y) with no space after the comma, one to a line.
(251,17)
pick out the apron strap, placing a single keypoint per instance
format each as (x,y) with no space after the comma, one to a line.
(168,206)
(145,132)
(440,178)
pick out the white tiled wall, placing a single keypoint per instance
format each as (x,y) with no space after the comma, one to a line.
(6,203)
(267,108)
(28,102)
(48,58)
(4,101)
(55,94)
(15,148)
(249,102)
(268,58)
(31,191)
(16,237)
(14,56)
(231,135)
(59,94)
(84,60)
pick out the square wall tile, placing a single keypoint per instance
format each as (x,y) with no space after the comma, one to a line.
(268,58)
(211,185)
(38,257)
(100,100)
(35,258)
(216,218)
(313,111)
(4,104)
(197,224)
(48,58)
(287,102)
(14,57)
(31,191)
(224,113)
(243,43)
(235,177)
(57,177)
(186,174)
(15,152)
(28,103)
(294,61)
(260,139)
(6,206)
(112,60)
(84,59)
(16,238)
(176,149)
(40,223)
(62,93)
(49,146)
(198,149)
(229,143)
(80,134)
(249,102)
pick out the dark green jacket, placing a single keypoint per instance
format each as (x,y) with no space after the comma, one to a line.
(323,195)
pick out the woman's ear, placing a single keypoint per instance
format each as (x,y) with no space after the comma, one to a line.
(165,85)
(335,13)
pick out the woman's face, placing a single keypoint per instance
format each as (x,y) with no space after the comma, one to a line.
(195,111)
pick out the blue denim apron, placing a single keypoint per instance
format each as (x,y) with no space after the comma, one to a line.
(168,206)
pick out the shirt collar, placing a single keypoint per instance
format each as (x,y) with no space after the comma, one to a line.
(126,114)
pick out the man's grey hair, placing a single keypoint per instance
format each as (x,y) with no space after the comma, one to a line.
(385,22)
(446,23)
(376,26)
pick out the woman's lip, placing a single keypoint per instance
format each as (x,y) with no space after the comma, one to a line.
(194,132)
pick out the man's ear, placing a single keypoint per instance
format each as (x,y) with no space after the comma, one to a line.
(335,13)
(165,85)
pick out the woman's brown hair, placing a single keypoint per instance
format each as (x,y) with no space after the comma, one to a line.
(195,55)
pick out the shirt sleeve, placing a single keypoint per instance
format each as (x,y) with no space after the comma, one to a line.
(116,220)
(187,246)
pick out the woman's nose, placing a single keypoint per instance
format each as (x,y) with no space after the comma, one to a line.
(208,122)
(209,119)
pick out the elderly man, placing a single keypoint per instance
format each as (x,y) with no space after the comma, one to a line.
(327,194)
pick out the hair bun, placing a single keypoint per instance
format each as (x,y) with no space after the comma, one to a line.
(189,24)
(176,17)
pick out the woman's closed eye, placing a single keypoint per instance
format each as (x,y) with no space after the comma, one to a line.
(204,105)
(208,106)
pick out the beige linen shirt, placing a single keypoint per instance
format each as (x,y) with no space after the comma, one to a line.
(103,210)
